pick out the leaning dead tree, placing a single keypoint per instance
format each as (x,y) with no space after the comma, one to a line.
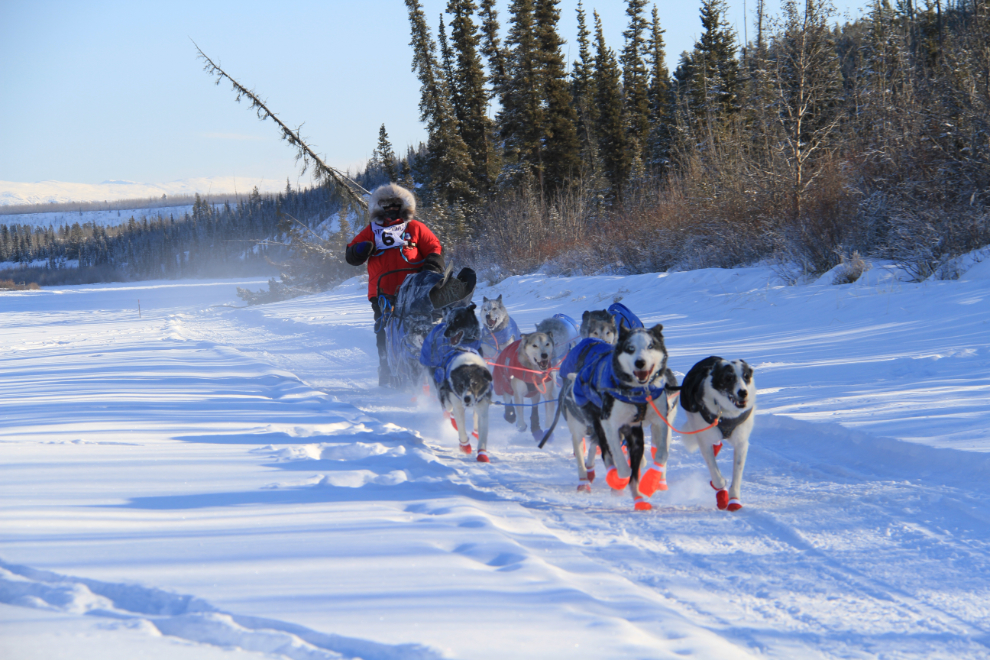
(348,189)
(315,263)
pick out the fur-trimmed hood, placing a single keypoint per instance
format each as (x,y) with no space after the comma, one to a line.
(383,194)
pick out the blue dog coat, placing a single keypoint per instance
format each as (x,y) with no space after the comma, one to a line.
(623,315)
(596,376)
(438,353)
(499,339)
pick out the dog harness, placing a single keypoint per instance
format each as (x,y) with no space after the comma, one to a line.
(725,424)
(498,339)
(438,353)
(597,377)
(623,315)
(576,357)
(507,366)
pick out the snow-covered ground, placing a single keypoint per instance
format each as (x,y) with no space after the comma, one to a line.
(210,481)
(45,192)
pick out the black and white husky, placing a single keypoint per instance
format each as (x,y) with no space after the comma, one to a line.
(608,396)
(460,374)
(716,390)
(468,384)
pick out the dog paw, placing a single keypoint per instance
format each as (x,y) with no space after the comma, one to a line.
(466,448)
(717,448)
(584,488)
(483,456)
(591,476)
(734,504)
(614,480)
(721,497)
(640,504)
(510,414)
(538,435)
(653,480)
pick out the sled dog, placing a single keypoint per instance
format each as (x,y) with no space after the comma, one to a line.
(608,395)
(460,375)
(499,329)
(522,371)
(564,331)
(716,389)
(598,324)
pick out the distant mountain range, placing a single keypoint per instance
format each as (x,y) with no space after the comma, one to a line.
(45,192)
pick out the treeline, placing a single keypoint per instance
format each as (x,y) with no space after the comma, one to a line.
(808,143)
(245,238)
(120,204)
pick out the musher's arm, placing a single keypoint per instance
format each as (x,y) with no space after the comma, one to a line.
(429,245)
(360,248)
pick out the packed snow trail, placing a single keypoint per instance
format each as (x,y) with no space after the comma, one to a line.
(863,535)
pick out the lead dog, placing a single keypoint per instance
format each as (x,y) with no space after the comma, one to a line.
(610,393)
(716,390)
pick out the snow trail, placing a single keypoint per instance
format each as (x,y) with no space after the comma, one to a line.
(246,458)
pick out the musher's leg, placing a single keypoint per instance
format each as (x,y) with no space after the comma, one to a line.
(384,374)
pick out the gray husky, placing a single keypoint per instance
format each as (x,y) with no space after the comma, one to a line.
(499,330)
(598,324)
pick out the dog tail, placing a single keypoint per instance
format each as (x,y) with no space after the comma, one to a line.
(569,383)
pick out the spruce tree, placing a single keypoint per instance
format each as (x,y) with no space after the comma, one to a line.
(660,98)
(522,120)
(611,132)
(635,104)
(448,163)
(583,91)
(386,156)
(468,86)
(447,57)
(490,46)
(714,79)
(561,148)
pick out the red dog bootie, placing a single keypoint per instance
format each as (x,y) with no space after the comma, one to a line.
(717,448)
(640,504)
(466,448)
(584,487)
(734,504)
(613,479)
(721,498)
(483,456)
(653,480)
(591,476)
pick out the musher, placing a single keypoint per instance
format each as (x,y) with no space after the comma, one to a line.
(395,245)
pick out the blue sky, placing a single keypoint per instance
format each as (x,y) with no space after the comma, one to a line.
(95,91)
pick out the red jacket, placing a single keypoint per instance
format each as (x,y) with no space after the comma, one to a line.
(507,367)
(426,243)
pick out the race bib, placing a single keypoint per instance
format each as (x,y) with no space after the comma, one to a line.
(389,237)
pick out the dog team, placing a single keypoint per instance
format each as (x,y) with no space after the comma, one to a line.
(608,377)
